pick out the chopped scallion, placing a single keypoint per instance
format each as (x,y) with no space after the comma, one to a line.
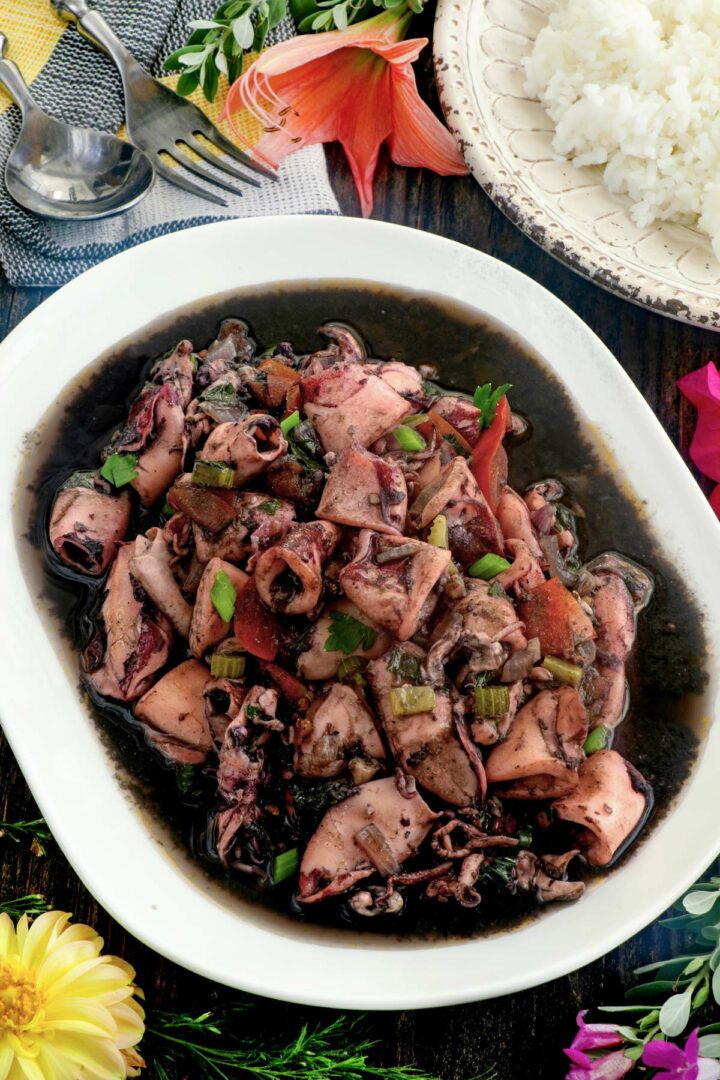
(212,474)
(407,700)
(562,671)
(350,670)
(285,865)
(598,739)
(408,439)
(488,567)
(290,422)
(223,596)
(492,700)
(227,665)
(416,420)
(439,535)
(525,836)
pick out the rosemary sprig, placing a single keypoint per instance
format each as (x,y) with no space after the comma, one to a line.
(216,46)
(31,905)
(214,1046)
(36,831)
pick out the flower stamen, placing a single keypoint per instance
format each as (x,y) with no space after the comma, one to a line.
(20,999)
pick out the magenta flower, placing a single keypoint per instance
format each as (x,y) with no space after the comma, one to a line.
(610,1067)
(596,1037)
(680,1063)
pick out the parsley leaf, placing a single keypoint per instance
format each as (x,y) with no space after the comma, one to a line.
(404,664)
(486,400)
(348,634)
(223,596)
(120,469)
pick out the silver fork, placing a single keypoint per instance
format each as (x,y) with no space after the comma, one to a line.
(159,119)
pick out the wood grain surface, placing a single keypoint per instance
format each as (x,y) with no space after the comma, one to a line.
(524,1033)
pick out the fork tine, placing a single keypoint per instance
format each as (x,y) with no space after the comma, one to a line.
(200,170)
(218,162)
(174,176)
(214,136)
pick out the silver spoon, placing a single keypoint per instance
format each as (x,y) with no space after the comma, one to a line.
(73,173)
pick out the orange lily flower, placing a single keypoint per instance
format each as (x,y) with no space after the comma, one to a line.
(355,86)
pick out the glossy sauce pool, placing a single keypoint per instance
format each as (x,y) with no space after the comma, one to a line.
(661,732)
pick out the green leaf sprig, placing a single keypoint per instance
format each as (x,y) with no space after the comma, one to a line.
(120,469)
(31,905)
(321,15)
(671,991)
(35,831)
(217,1046)
(346,634)
(487,400)
(216,46)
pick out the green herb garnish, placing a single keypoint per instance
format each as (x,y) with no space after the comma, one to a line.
(34,904)
(285,865)
(223,596)
(486,400)
(270,506)
(408,439)
(404,665)
(290,422)
(224,393)
(120,469)
(346,634)
(36,831)
(488,567)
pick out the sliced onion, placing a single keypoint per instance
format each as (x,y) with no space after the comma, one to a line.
(373,844)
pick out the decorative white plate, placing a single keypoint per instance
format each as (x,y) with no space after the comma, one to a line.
(125,857)
(506,139)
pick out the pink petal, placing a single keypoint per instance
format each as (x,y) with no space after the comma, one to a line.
(364,125)
(578,1057)
(612,1067)
(702,388)
(664,1055)
(418,138)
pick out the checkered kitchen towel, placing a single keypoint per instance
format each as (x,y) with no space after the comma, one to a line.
(78,84)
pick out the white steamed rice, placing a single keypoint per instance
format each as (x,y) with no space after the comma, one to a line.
(634,85)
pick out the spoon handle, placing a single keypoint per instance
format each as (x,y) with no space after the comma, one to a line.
(11,78)
(98,31)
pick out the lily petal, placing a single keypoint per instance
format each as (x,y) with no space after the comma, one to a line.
(418,138)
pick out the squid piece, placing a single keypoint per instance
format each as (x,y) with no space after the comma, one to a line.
(133,640)
(151,565)
(87,524)
(344,346)
(391,580)
(525,573)
(609,803)
(485,626)
(543,749)
(514,518)
(615,614)
(365,492)
(473,529)
(233,345)
(156,430)
(426,745)
(316,662)
(223,701)
(207,627)
(347,403)
(547,874)
(289,575)
(173,714)
(373,831)
(248,446)
(404,379)
(338,734)
(462,414)
(606,695)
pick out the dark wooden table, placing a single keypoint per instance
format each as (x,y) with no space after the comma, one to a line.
(523,1034)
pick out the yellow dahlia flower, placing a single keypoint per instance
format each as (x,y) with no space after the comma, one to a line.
(66,1011)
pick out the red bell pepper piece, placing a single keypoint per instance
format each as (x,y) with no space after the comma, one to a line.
(552,614)
(293,689)
(489,464)
(256,628)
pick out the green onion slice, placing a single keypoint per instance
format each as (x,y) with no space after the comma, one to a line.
(598,739)
(227,665)
(212,474)
(492,700)
(416,420)
(562,671)
(285,865)
(525,836)
(408,439)
(488,567)
(439,535)
(407,700)
(223,595)
(290,422)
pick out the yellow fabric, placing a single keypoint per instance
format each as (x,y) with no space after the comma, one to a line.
(33,29)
